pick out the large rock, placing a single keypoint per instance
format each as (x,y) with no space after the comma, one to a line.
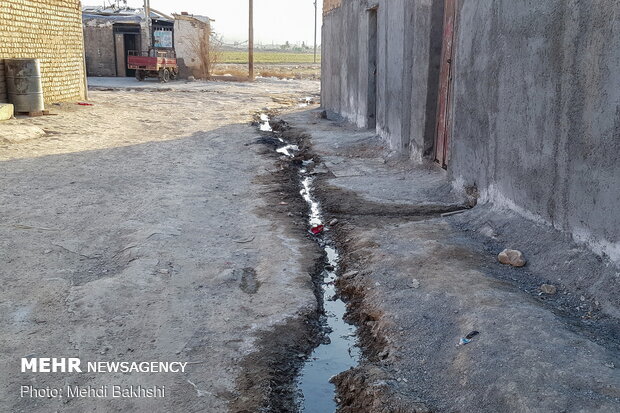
(548,289)
(6,111)
(511,257)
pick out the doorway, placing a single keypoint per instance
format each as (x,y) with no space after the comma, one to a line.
(132,42)
(126,38)
(442,134)
(371,100)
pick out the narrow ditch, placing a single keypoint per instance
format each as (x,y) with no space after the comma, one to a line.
(338,350)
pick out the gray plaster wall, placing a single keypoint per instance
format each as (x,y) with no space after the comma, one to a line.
(536,112)
(343,86)
(405,104)
(535,105)
(425,51)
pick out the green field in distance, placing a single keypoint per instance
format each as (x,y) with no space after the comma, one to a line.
(268,57)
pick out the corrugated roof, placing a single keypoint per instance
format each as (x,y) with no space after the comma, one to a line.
(123,13)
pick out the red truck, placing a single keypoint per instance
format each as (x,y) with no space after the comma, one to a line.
(154,63)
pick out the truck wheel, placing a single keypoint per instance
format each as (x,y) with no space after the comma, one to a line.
(164,75)
(140,75)
(173,74)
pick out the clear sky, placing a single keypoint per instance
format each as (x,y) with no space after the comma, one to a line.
(275,21)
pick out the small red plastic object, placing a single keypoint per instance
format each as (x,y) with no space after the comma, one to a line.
(317,229)
(85,104)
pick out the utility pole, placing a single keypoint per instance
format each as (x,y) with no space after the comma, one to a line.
(251,41)
(315,17)
(147,20)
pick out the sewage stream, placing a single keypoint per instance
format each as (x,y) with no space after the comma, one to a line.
(338,350)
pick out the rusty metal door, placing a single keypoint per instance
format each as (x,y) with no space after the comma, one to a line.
(442,132)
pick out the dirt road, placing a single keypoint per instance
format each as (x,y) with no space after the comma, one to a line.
(159,225)
(150,227)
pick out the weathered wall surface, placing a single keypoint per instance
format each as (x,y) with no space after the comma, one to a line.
(50,30)
(537,111)
(191,38)
(405,104)
(329,5)
(424,54)
(3,96)
(391,83)
(99,47)
(536,99)
(343,85)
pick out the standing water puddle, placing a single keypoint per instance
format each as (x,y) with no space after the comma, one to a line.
(338,350)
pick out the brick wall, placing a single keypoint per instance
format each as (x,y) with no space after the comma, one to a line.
(49,30)
(329,5)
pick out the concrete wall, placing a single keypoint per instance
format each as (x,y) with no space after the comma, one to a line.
(537,111)
(50,30)
(426,32)
(99,47)
(405,103)
(535,108)
(344,57)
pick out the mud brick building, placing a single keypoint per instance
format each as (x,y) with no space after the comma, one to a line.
(49,30)
(110,34)
(518,101)
(192,43)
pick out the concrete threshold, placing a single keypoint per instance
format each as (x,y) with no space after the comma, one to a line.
(424,280)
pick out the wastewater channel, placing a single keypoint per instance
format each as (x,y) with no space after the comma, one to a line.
(338,350)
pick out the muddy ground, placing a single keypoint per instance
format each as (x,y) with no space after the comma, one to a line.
(151,226)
